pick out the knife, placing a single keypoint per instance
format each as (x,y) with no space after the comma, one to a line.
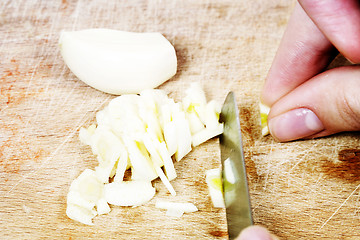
(234,180)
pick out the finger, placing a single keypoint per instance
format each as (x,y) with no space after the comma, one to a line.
(303,52)
(339,21)
(326,104)
(256,233)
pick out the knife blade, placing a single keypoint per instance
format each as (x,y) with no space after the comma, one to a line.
(234,178)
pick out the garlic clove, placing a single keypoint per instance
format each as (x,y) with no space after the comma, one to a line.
(118,62)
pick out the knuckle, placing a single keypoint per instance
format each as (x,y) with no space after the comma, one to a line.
(349,111)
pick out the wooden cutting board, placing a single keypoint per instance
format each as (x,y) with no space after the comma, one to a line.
(299,190)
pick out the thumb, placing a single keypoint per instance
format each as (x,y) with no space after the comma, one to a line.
(256,233)
(326,104)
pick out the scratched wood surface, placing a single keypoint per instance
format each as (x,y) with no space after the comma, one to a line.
(299,190)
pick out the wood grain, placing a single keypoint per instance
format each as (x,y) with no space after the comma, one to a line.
(299,190)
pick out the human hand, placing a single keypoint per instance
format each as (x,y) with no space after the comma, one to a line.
(305,100)
(256,233)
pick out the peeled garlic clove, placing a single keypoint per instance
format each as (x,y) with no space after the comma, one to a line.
(129,193)
(264,112)
(118,62)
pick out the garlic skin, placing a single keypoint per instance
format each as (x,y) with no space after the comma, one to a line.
(118,62)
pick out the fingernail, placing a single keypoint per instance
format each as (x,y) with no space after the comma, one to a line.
(255,233)
(295,124)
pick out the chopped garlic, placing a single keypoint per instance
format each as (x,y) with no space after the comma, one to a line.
(176,209)
(141,166)
(102,206)
(220,184)
(203,117)
(174,213)
(195,101)
(109,150)
(165,180)
(129,193)
(212,114)
(230,176)
(195,123)
(86,192)
(144,133)
(230,173)
(80,214)
(183,135)
(170,135)
(168,163)
(121,166)
(206,134)
(85,134)
(214,183)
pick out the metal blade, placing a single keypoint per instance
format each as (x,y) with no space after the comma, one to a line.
(235,186)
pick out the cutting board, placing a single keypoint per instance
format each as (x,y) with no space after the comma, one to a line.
(299,190)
